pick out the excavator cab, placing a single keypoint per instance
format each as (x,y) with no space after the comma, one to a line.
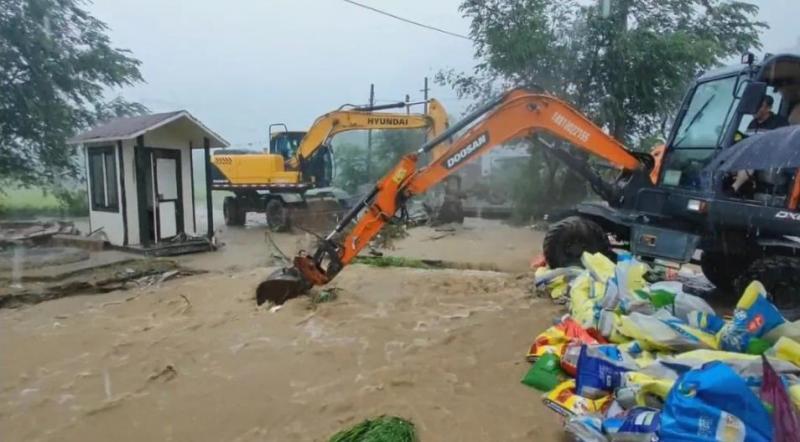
(739,233)
(285,142)
(317,169)
(718,111)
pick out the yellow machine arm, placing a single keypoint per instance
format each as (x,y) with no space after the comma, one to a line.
(332,123)
(266,170)
(516,114)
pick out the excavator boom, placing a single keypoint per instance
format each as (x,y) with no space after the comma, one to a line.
(516,114)
(282,169)
(339,121)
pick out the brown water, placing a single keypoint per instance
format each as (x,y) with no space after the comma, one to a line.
(195,359)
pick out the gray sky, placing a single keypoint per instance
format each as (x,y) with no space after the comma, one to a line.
(239,65)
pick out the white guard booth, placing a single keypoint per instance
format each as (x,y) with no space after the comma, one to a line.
(140,179)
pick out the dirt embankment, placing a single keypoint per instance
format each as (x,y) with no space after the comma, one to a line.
(195,359)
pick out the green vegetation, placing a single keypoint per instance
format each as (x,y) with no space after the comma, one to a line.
(351,167)
(388,147)
(17,202)
(323,296)
(57,65)
(394,261)
(626,71)
(382,429)
(414,263)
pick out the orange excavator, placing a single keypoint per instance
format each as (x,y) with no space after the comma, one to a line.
(667,205)
(517,113)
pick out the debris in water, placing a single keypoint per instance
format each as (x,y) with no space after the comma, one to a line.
(168,373)
(328,295)
(167,275)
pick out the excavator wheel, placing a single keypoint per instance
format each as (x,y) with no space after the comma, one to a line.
(451,211)
(722,269)
(277,215)
(233,212)
(781,277)
(452,208)
(567,239)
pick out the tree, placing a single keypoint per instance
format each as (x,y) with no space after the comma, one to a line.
(56,67)
(387,148)
(626,71)
(351,166)
(390,146)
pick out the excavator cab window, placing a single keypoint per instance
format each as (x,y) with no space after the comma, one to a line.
(699,133)
(773,186)
(286,143)
(777,105)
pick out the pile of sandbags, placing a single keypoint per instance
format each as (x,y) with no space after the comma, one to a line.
(635,361)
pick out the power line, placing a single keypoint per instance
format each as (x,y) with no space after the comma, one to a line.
(432,28)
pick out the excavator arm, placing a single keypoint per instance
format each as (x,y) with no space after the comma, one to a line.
(339,121)
(516,114)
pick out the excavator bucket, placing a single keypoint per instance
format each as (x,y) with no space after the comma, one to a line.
(282,285)
(291,282)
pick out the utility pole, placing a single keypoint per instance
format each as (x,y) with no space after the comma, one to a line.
(425,95)
(369,134)
(605,8)
(408,104)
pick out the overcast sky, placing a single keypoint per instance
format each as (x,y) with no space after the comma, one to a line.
(239,65)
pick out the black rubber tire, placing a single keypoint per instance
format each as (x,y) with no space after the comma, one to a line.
(567,239)
(277,215)
(723,269)
(452,211)
(781,277)
(233,212)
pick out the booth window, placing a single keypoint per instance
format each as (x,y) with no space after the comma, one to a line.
(103,178)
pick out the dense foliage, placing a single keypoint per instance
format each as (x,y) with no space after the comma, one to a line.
(387,148)
(57,66)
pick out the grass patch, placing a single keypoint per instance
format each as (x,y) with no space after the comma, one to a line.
(384,428)
(414,263)
(14,198)
(394,261)
(18,202)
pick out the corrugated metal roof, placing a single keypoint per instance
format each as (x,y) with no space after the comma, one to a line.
(131,127)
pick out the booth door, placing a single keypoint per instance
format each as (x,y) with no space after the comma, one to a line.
(166,169)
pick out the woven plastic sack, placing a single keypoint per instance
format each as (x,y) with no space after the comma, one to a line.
(754,317)
(565,401)
(664,332)
(585,428)
(638,424)
(555,339)
(713,403)
(600,370)
(545,374)
(784,416)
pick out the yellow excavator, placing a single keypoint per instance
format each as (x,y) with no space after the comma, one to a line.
(291,181)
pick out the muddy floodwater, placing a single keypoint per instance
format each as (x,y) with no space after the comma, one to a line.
(195,359)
